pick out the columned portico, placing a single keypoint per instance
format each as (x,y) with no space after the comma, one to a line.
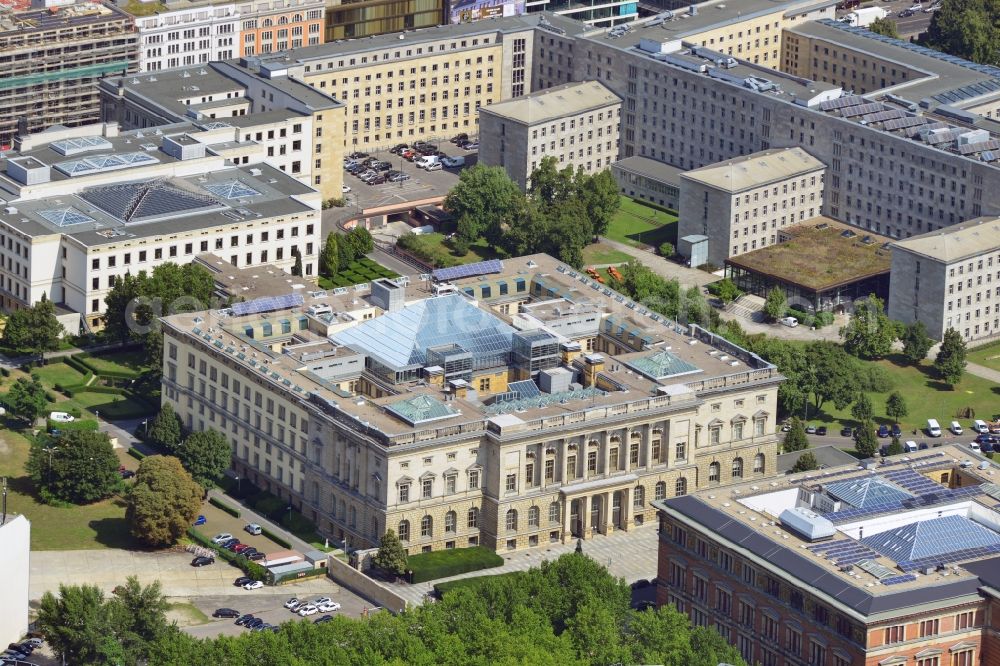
(597,507)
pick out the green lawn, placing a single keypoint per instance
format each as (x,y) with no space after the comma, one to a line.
(58,373)
(600,253)
(639,224)
(451,562)
(95,526)
(357,272)
(134,362)
(471,583)
(112,406)
(925,396)
(434,249)
(988,356)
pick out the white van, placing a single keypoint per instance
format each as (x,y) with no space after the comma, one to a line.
(980,426)
(910,447)
(427,160)
(956,428)
(453,162)
(933,428)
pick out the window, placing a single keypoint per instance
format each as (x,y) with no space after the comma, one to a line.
(713,471)
(449,521)
(660,490)
(929,627)
(592,462)
(715,435)
(638,497)
(427,488)
(738,468)
(511,521)
(895,634)
(758,463)
(404,493)
(533,514)
(633,454)
(817,653)
(473,479)
(570,468)
(964,620)
(511,484)
(404,530)
(449,484)
(738,430)
(929,661)
(680,450)
(794,637)
(550,470)
(554,512)
(963,658)
(426,526)
(680,487)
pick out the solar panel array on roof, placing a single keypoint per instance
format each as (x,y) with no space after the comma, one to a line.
(988,156)
(896,580)
(147,200)
(937,138)
(841,102)
(468,270)
(882,116)
(931,539)
(970,91)
(902,123)
(267,304)
(861,109)
(844,551)
(862,492)
(524,389)
(920,129)
(971,148)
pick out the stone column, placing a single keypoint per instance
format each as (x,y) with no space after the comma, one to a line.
(608,522)
(626,509)
(567,532)
(646,457)
(585,516)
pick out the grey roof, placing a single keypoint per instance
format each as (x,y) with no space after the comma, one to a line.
(865,492)
(400,339)
(931,538)
(661,364)
(826,456)
(644,166)
(809,573)
(146,200)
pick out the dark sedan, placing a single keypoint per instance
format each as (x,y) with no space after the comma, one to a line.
(226,612)
(202,561)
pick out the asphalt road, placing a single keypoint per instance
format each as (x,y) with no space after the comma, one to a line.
(908,27)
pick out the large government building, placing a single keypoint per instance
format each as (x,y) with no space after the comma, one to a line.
(503,404)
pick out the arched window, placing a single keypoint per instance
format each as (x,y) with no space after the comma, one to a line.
(758,463)
(404,530)
(681,487)
(354,516)
(533,516)
(738,468)
(267,23)
(426,526)
(297,18)
(511,520)
(282,20)
(554,512)
(638,497)
(473,517)
(713,472)
(449,521)
(660,490)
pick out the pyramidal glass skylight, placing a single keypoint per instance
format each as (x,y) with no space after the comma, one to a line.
(231,189)
(65,217)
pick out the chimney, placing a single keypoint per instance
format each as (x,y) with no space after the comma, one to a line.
(459,388)
(434,375)
(570,352)
(592,365)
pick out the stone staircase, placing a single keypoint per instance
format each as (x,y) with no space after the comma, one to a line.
(746,306)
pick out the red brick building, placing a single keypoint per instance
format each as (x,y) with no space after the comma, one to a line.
(894,566)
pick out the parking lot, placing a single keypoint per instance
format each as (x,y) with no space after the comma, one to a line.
(908,26)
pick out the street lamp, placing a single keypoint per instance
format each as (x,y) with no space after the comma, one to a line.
(237,484)
(48,473)
(145,425)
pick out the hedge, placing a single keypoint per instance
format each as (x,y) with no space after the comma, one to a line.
(293,577)
(281,541)
(79,424)
(112,374)
(251,569)
(451,562)
(74,362)
(473,582)
(136,453)
(225,507)
(112,390)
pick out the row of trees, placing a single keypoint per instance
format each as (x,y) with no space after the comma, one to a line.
(33,331)
(561,214)
(79,468)
(206,455)
(967,28)
(341,249)
(565,612)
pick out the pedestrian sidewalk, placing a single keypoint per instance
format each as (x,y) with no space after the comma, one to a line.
(982,371)
(630,555)
(687,277)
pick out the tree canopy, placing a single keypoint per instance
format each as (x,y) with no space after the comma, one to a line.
(27,398)
(883,26)
(969,29)
(80,467)
(775,305)
(895,406)
(33,330)
(806,463)
(916,342)
(165,430)
(206,455)
(391,555)
(163,501)
(865,441)
(795,438)
(950,361)
(870,333)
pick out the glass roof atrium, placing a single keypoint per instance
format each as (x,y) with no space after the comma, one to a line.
(421,409)
(147,201)
(933,538)
(867,492)
(65,217)
(399,340)
(661,365)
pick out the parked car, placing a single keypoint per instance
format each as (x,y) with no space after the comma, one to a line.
(329,607)
(220,538)
(293,603)
(322,600)
(201,561)
(254,623)
(975,447)
(307,610)
(398,148)
(987,439)
(255,585)
(242,580)
(453,162)
(399,177)
(883,430)
(244,619)
(896,431)
(470,145)
(791,322)
(821,431)
(357,156)
(376,180)
(126,473)
(253,528)
(253,557)
(434,166)
(956,428)
(323,620)
(460,138)
(810,429)
(229,542)
(233,547)
(846,432)
(226,612)
(344,189)
(62,417)
(249,551)
(201,520)
(986,448)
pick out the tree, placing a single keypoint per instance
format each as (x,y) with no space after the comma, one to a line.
(883,26)
(599,193)
(329,256)
(667,250)
(727,291)
(950,361)
(139,614)
(163,501)
(806,463)
(391,555)
(165,431)
(862,409)
(829,374)
(81,469)
(357,243)
(550,184)
(865,442)
(795,438)
(916,342)
(484,197)
(775,305)
(206,455)
(297,265)
(27,398)
(895,407)
(969,29)
(895,447)
(870,333)
(116,324)
(33,330)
